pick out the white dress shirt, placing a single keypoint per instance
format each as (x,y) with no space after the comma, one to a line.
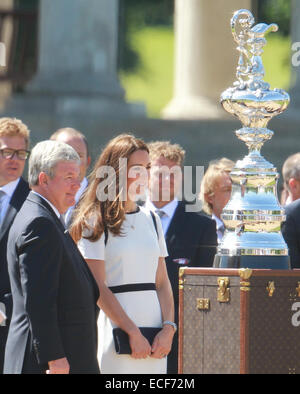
(168,209)
(9,190)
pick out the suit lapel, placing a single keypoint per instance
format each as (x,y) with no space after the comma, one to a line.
(16,201)
(39,200)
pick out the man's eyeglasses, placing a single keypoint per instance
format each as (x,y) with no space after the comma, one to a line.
(10,153)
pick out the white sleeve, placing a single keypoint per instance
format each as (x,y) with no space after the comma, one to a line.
(92,250)
(161,237)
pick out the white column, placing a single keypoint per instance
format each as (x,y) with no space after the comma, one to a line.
(77,65)
(205,57)
(78,42)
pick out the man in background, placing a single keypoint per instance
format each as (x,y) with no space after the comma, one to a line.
(190,236)
(291,179)
(14,143)
(79,143)
(291,187)
(215,191)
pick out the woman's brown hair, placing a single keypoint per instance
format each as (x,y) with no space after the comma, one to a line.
(92,213)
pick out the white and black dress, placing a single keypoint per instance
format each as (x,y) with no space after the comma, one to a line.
(131,262)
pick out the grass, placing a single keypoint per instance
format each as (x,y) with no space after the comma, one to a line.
(276,60)
(153,82)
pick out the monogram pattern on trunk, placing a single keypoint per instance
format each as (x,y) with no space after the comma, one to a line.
(262,333)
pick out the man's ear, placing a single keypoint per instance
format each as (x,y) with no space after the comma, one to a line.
(208,197)
(43,179)
(294,186)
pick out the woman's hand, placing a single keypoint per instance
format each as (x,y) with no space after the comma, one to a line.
(140,347)
(163,342)
(60,367)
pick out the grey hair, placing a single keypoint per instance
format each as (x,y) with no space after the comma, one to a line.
(291,168)
(45,156)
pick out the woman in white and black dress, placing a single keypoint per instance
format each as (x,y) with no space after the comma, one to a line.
(125,251)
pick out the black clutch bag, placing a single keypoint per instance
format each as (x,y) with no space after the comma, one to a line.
(121,338)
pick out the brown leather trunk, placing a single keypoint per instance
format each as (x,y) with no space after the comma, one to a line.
(239,321)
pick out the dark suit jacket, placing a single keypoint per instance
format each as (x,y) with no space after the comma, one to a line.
(291,232)
(17,200)
(19,196)
(54,295)
(191,238)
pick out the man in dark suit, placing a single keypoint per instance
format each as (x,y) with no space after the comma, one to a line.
(190,236)
(291,232)
(53,326)
(14,142)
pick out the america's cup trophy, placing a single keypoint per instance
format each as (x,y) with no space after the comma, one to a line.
(253,215)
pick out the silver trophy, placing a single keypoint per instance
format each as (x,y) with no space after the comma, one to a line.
(253,215)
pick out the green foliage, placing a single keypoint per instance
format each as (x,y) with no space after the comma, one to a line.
(140,13)
(153,82)
(134,15)
(276,11)
(276,60)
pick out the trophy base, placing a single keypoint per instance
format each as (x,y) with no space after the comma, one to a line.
(258,262)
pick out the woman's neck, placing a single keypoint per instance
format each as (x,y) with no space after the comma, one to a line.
(130,206)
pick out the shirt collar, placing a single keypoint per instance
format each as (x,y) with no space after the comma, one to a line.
(288,200)
(219,222)
(168,209)
(10,187)
(51,205)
